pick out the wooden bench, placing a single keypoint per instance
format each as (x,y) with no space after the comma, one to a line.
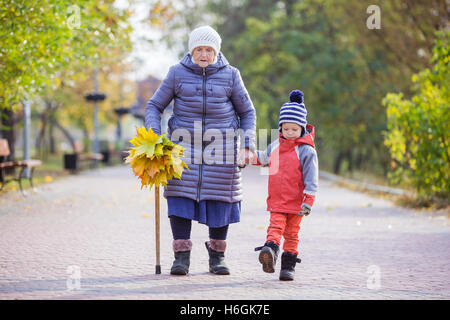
(74,161)
(22,164)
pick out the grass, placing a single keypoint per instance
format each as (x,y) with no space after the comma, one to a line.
(418,202)
(409,200)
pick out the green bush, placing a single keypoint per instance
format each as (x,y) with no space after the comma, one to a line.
(418,129)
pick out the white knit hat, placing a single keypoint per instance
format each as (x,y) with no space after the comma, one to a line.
(204,36)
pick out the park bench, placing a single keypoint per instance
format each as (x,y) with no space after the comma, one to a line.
(9,166)
(77,160)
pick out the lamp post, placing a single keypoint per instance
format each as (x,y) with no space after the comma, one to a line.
(26,134)
(95,97)
(120,112)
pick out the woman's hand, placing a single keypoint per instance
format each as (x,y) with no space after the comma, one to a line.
(245,157)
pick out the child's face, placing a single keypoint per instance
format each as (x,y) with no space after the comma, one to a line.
(291,131)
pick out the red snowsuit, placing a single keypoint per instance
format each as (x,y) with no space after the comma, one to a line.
(293,181)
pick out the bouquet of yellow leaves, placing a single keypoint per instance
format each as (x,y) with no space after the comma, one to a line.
(155,159)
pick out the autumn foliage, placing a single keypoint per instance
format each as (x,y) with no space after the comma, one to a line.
(155,159)
(418,128)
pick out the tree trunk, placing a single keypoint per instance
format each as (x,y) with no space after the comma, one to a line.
(66,133)
(349,156)
(41,135)
(338,162)
(51,135)
(359,159)
(45,141)
(86,140)
(8,132)
(288,5)
(8,125)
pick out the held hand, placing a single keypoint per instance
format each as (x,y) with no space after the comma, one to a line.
(245,157)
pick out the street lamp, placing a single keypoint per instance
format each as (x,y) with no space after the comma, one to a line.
(120,112)
(95,97)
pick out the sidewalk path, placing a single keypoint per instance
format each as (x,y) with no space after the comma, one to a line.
(352,246)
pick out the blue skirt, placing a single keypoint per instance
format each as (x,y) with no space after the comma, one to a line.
(214,214)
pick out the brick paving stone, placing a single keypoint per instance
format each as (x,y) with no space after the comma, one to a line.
(102,223)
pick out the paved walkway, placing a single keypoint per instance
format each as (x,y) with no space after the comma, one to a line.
(91,236)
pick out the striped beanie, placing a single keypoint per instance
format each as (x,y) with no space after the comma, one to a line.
(294,111)
(204,36)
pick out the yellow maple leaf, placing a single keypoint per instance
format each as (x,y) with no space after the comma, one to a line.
(139,164)
(155,159)
(145,142)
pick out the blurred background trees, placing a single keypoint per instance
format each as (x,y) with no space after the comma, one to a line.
(325,48)
(49,51)
(365,89)
(418,128)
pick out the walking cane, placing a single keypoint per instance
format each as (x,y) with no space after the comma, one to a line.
(168,162)
(158,266)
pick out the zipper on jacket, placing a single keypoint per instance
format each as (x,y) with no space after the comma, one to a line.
(203,129)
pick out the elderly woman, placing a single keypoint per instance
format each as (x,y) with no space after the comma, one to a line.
(210,101)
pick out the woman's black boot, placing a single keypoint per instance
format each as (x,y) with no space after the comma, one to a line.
(288,261)
(216,251)
(182,253)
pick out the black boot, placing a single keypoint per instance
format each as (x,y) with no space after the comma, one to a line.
(268,256)
(216,251)
(182,253)
(288,261)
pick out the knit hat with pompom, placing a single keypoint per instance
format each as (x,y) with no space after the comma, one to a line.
(294,111)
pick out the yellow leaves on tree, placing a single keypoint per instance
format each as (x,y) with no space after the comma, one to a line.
(155,159)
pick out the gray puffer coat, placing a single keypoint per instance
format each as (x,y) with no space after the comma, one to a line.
(210,104)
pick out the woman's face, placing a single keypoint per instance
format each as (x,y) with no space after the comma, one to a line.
(203,56)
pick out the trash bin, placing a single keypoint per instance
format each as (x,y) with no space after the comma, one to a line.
(106,156)
(71,161)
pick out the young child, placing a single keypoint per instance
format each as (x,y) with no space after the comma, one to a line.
(293,182)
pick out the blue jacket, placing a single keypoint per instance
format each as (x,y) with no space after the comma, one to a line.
(209,106)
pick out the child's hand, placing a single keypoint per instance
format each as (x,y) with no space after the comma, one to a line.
(245,157)
(305,211)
